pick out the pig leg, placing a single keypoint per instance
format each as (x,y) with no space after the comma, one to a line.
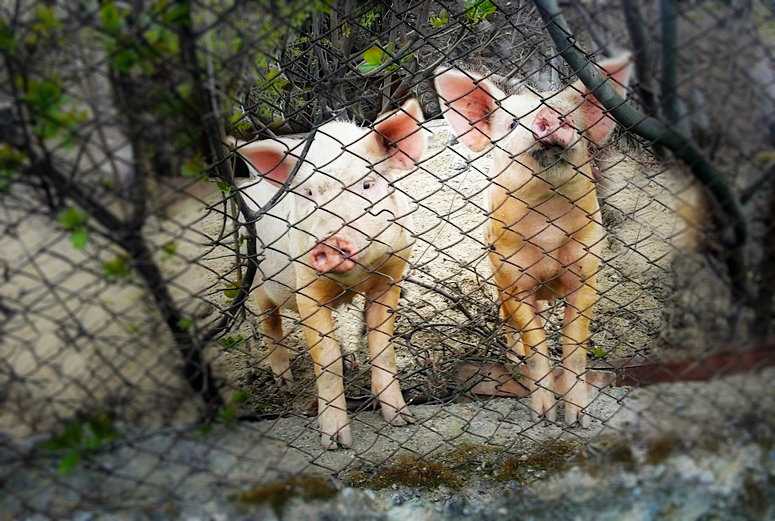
(381,304)
(572,385)
(516,351)
(318,325)
(521,316)
(279,361)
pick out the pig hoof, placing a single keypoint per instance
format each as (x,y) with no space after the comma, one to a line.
(350,362)
(544,404)
(340,438)
(285,382)
(574,415)
(396,417)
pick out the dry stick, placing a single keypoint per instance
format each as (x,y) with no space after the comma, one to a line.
(728,212)
(457,302)
(228,172)
(251,217)
(214,135)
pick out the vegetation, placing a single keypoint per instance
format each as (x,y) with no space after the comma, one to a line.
(78,439)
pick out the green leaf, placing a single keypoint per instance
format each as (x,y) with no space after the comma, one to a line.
(111,18)
(178,14)
(184,323)
(93,443)
(124,60)
(101,425)
(439,21)
(45,129)
(226,415)
(118,267)
(46,17)
(79,238)
(9,156)
(478,10)
(194,168)
(72,436)
(367,67)
(224,187)
(6,180)
(69,461)
(72,219)
(43,95)
(598,352)
(232,290)
(373,55)
(170,249)
(240,397)
(230,342)
(8,40)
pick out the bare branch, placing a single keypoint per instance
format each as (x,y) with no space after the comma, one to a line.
(728,213)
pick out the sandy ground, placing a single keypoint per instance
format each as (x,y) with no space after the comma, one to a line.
(78,343)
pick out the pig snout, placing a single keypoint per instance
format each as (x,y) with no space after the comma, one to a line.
(550,128)
(334,254)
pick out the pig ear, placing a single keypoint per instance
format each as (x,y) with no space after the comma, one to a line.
(590,115)
(468,104)
(272,159)
(400,135)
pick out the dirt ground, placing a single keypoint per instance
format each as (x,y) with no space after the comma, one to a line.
(686,451)
(658,296)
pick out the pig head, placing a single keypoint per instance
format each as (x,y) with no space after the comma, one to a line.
(544,233)
(347,214)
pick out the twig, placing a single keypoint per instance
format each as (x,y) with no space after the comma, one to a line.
(457,302)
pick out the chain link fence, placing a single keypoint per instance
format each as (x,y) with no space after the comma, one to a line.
(372,260)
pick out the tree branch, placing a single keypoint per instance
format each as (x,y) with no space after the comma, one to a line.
(668,89)
(196,370)
(728,213)
(642,57)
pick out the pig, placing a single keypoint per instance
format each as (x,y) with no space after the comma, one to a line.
(343,229)
(544,232)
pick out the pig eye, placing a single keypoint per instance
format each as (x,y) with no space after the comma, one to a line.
(308,192)
(368,184)
(514,124)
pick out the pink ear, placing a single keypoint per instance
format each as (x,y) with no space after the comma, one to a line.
(590,116)
(468,103)
(400,134)
(272,159)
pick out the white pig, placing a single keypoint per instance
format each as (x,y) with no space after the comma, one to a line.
(343,229)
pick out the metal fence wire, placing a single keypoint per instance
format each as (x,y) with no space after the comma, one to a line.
(354,260)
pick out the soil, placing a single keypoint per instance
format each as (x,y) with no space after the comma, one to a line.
(659,296)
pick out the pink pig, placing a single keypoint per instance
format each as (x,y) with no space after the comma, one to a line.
(342,230)
(544,233)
